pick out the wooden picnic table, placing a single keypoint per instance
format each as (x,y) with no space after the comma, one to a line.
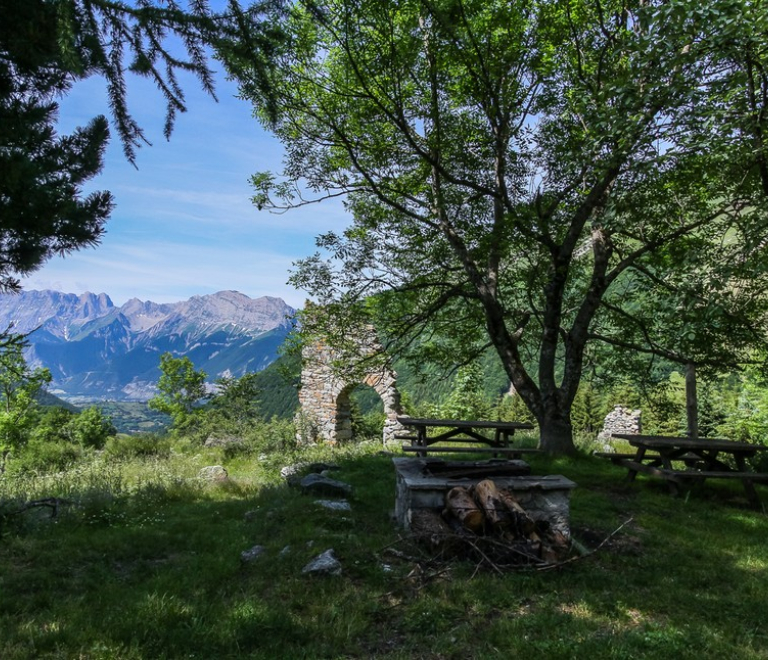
(463,431)
(702,459)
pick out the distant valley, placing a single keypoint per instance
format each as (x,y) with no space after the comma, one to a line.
(97,351)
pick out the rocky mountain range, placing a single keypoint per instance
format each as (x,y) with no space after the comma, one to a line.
(98,351)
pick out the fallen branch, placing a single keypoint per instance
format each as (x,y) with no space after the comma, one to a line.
(533,563)
(549,567)
(52,503)
(485,557)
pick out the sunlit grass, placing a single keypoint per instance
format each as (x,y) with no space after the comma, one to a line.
(145,563)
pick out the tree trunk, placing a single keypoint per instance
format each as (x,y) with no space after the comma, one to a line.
(691,401)
(556,432)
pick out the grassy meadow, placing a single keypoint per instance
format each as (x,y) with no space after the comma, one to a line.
(143,561)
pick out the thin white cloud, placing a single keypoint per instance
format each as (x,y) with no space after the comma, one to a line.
(184,224)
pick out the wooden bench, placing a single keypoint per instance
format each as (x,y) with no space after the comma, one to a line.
(658,455)
(618,459)
(613,456)
(683,476)
(628,461)
(429,449)
(677,479)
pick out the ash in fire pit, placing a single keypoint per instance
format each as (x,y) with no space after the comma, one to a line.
(423,484)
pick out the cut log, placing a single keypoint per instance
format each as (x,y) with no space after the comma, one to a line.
(460,504)
(522,524)
(430,528)
(489,499)
(488,522)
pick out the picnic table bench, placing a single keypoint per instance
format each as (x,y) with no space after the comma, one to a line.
(661,456)
(475,432)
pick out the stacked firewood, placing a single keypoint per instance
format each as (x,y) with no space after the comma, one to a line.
(488,522)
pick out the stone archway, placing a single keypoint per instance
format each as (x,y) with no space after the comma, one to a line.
(324,395)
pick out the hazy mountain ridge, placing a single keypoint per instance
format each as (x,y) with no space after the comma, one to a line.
(96,350)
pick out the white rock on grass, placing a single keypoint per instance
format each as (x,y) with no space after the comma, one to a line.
(213,473)
(324,564)
(254,553)
(335,505)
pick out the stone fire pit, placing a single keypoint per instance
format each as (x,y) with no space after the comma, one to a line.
(422,483)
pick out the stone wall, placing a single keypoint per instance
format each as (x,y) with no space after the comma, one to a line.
(325,413)
(621,420)
(543,497)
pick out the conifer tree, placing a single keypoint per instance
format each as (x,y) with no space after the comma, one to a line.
(45,47)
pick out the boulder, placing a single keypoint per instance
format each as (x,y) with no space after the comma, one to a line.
(303,468)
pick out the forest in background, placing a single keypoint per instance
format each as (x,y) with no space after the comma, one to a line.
(735,406)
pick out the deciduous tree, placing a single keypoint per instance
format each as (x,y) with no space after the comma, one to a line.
(517,171)
(19,386)
(182,390)
(237,400)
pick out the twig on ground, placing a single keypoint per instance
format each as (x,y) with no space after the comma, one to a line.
(51,502)
(533,563)
(549,567)
(486,557)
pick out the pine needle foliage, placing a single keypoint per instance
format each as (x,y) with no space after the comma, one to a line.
(45,47)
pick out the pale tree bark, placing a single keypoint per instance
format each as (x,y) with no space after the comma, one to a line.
(691,400)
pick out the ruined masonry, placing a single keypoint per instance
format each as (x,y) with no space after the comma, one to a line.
(325,412)
(621,420)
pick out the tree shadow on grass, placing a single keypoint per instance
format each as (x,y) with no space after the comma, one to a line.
(162,576)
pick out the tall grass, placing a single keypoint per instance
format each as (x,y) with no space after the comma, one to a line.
(146,563)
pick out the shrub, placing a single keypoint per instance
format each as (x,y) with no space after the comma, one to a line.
(278,435)
(368,426)
(467,398)
(588,412)
(43,456)
(142,444)
(513,409)
(90,428)
(52,425)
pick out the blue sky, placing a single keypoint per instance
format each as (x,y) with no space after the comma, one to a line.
(183,223)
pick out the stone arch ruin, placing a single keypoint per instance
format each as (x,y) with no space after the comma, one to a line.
(324,395)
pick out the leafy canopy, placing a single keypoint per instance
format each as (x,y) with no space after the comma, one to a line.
(529,177)
(182,390)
